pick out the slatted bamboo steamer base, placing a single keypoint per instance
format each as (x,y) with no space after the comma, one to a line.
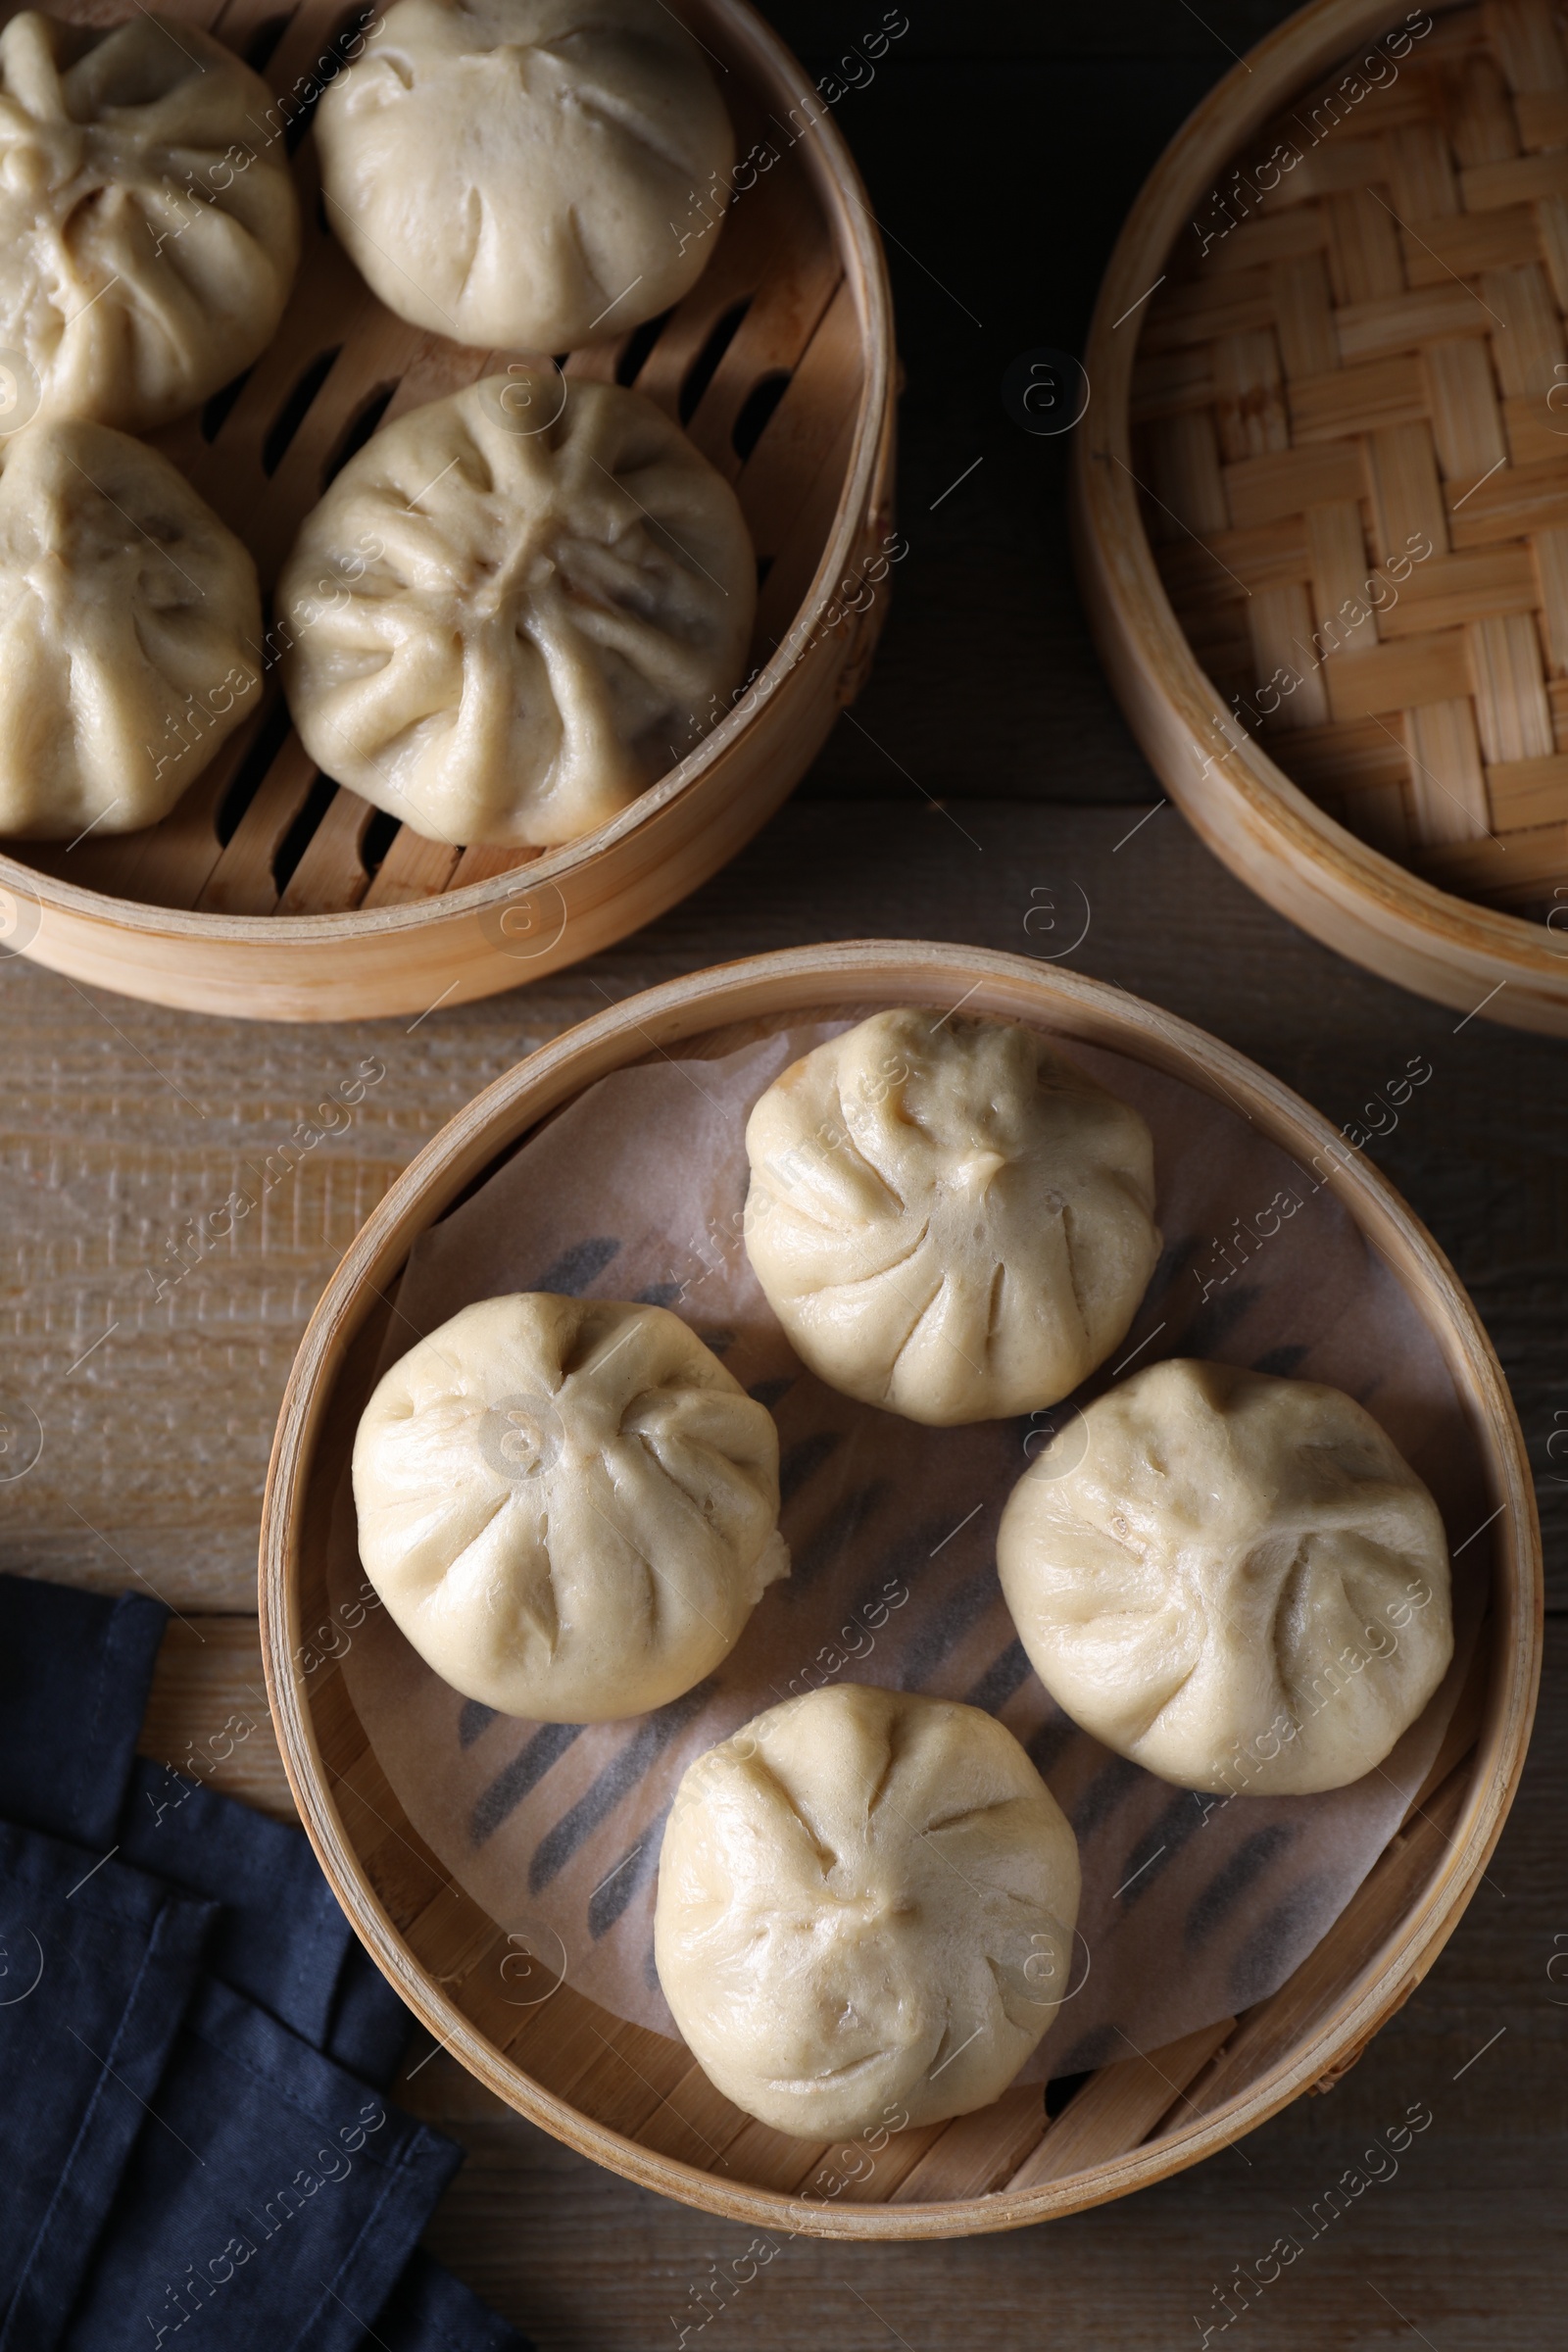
(270,891)
(1346,359)
(633,2099)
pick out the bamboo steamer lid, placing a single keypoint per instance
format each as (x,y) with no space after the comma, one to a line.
(1322,496)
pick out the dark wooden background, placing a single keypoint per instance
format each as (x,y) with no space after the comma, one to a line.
(985,767)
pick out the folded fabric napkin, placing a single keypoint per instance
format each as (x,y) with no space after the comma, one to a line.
(197,2146)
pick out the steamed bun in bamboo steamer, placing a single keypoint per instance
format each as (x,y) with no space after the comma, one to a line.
(947,1217)
(131,629)
(865,1911)
(1234,1579)
(514,608)
(149,229)
(568,1505)
(521,174)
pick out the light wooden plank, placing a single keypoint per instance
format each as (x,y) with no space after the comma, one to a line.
(241,881)
(1461,399)
(770,2159)
(1551,552)
(1409,512)
(1167,382)
(1512,713)
(1543,116)
(694,2121)
(1447,790)
(1281,621)
(1120,2107)
(1277,237)
(1370,329)
(1260,559)
(413,869)
(1398,675)
(1364,261)
(330,877)
(1529,47)
(1518,500)
(783,472)
(1185,463)
(1277,2026)
(1537,435)
(1552,224)
(1479,111)
(1420,169)
(1529,792)
(1303,316)
(629,2077)
(1250,412)
(1438,251)
(1528,346)
(1349,756)
(1447,591)
(1340,578)
(1264,489)
(1521,179)
(1523,865)
(977,2153)
(207,1712)
(1229,302)
(889,2167)
(1348,400)
(480,863)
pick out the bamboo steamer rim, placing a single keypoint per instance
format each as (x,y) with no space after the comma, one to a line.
(839,189)
(863,974)
(1267,821)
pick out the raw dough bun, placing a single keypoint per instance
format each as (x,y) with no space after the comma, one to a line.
(948,1219)
(866,1905)
(569,1506)
(1228,1588)
(129,625)
(149,230)
(521,627)
(522,174)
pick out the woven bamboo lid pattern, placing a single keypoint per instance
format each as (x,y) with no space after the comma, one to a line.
(1350,407)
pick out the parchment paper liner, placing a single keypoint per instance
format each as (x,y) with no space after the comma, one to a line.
(1192,1909)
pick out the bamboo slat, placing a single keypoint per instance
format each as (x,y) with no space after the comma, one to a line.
(632,2098)
(778,363)
(1528,792)
(1120,2107)
(1404,291)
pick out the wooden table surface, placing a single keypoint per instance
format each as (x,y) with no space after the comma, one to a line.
(984,780)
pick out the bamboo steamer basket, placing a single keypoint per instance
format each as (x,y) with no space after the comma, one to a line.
(633,2099)
(269,892)
(1304,372)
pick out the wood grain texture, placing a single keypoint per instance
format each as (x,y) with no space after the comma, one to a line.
(206,1713)
(598,2082)
(985,621)
(122,1121)
(582,2260)
(95,1130)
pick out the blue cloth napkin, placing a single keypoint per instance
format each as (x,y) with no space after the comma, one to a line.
(196,2147)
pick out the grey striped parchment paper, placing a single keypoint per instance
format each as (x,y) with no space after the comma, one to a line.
(1189,1909)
